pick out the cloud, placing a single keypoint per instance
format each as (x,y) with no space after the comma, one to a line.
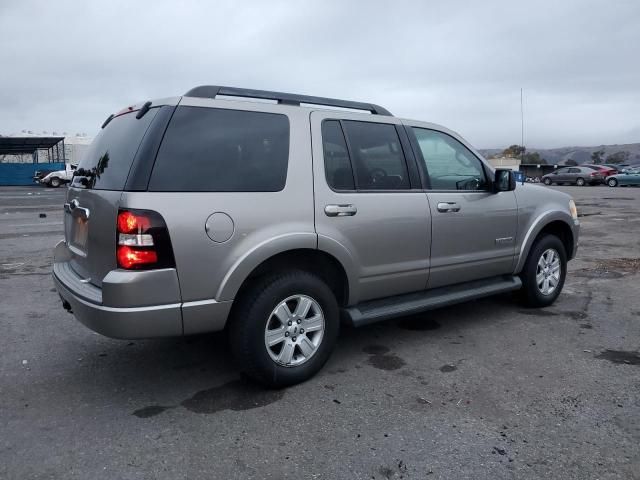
(67,65)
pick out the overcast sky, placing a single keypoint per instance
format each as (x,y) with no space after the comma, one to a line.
(66,66)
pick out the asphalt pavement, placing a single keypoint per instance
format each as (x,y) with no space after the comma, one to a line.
(482,390)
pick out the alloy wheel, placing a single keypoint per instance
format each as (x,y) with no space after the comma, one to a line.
(548,271)
(294,330)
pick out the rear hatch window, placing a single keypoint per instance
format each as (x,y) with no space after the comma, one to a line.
(106,164)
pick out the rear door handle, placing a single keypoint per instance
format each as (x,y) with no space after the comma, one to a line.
(340,210)
(448,207)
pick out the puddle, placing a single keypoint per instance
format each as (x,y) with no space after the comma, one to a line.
(386,362)
(448,368)
(237,395)
(591,214)
(620,357)
(588,326)
(536,312)
(418,324)
(375,349)
(381,359)
(150,411)
(575,315)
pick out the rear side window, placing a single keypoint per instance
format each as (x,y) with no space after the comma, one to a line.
(336,157)
(106,163)
(218,150)
(377,156)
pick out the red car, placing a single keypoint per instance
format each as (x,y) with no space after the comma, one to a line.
(606,171)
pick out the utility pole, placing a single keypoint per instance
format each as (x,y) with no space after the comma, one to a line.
(521,128)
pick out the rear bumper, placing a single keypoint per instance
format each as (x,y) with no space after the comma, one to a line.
(134,304)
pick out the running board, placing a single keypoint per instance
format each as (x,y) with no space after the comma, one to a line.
(412,303)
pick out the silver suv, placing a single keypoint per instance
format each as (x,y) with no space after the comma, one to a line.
(275,218)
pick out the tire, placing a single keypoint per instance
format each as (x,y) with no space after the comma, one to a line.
(612,182)
(533,294)
(547,181)
(55,182)
(580,182)
(254,316)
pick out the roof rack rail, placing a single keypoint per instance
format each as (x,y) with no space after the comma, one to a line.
(211,91)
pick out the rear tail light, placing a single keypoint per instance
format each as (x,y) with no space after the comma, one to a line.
(143,241)
(593,174)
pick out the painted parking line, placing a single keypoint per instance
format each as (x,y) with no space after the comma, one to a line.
(35,224)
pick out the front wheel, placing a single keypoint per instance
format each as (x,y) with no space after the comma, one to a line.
(544,272)
(55,182)
(612,182)
(284,328)
(580,182)
(547,181)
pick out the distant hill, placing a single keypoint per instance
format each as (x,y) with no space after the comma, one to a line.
(558,156)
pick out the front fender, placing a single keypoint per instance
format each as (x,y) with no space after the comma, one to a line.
(537,226)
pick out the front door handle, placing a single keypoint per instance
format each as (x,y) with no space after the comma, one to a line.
(448,207)
(340,210)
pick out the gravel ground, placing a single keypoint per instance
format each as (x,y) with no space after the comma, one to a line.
(483,390)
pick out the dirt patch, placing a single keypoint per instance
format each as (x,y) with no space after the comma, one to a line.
(611,268)
(630,265)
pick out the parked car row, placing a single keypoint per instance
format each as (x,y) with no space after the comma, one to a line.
(593,175)
(628,177)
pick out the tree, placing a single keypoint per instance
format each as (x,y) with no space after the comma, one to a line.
(514,151)
(619,157)
(597,157)
(571,162)
(533,159)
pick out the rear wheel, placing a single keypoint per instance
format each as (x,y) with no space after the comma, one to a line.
(544,272)
(284,328)
(547,181)
(55,182)
(580,182)
(612,182)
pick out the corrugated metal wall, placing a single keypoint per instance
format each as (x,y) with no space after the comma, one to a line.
(22,173)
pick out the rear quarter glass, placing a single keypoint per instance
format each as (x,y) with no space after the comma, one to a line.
(219,150)
(106,164)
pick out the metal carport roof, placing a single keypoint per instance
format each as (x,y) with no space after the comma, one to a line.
(18,145)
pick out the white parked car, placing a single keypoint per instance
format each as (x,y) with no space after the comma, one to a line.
(59,177)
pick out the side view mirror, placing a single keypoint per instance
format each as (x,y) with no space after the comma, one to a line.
(504,181)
